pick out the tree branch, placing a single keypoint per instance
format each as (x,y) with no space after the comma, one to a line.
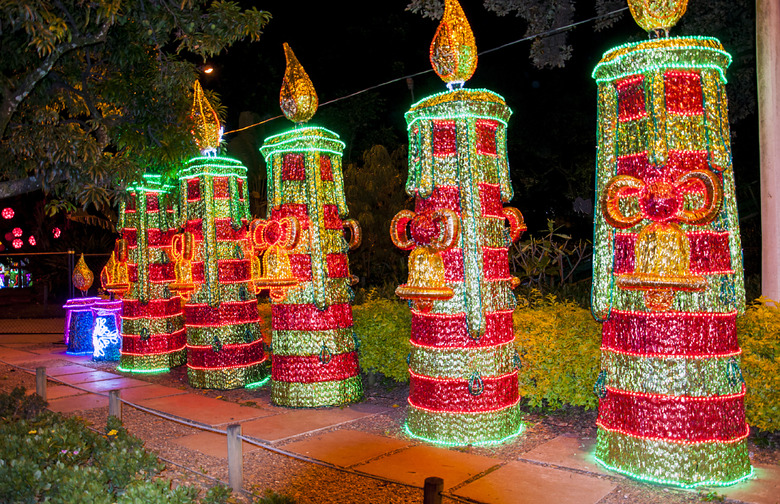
(14,97)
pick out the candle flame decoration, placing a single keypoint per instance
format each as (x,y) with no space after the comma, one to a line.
(114,277)
(654,15)
(207,129)
(453,50)
(297,98)
(82,275)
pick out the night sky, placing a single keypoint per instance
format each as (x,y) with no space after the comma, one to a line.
(350,45)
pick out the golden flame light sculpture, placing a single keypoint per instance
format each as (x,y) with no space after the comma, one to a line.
(82,275)
(654,15)
(114,277)
(298,98)
(453,49)
(207,129)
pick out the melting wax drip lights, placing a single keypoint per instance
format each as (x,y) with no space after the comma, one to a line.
(668,279)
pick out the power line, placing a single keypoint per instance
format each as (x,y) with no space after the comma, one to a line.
(547,33)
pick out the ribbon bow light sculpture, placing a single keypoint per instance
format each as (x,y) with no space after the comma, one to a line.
(183,252)
(427,234)
(274,239)
(114,277)
(662,248)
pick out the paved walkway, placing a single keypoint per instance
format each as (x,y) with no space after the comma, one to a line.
(559,471)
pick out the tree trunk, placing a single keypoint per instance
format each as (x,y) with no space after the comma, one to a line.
(768,79)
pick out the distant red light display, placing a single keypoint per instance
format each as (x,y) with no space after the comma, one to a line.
(17,243)
(17,232)
(56,232)
(8,213)
(31,240)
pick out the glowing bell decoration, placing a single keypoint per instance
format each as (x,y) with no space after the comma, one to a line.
(298,98)
(654,15)
(305,263)
(152,319)
(183,253)
(114,277)
(82,275)
(453,50)
(463,381)
(667,268)
(274,239)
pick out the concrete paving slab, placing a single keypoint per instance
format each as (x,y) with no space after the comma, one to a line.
(345,447)
(764,488)
(566,451)
(212,444)
(30,327)
(11,355)
(524,483)
(78,403)
(88,377)
(115,384)
(67,369)
(203,409)
(292,423)
(413,465)
(57,391)
(151,391)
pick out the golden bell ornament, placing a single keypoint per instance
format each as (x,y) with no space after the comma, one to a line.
(662,266)
(426,279)
(183,253)
(274,239)
(82,275)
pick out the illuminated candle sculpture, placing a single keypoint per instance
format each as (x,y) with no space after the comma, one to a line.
(463,386)
(304,260)
(213,266)
(79,318)
(668,280)
(153,338)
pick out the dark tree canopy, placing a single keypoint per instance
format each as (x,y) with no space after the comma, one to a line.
(94,92)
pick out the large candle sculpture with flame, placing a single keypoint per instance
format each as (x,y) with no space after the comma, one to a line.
(668,280)
(213,267)
(304,261)
(464,387)
(140,272)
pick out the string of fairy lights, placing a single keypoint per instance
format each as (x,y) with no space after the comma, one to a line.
(546,33)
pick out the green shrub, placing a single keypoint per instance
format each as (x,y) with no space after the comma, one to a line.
(19,405)
(759,336)
(558,343)
(382,328)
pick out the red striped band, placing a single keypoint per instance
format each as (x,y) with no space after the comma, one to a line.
(156,308)
(233,312)
(671,333)
(445,330)
(696,419)
(238,355)
(307,317)
(133,344)
(312,369)
(454,395)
